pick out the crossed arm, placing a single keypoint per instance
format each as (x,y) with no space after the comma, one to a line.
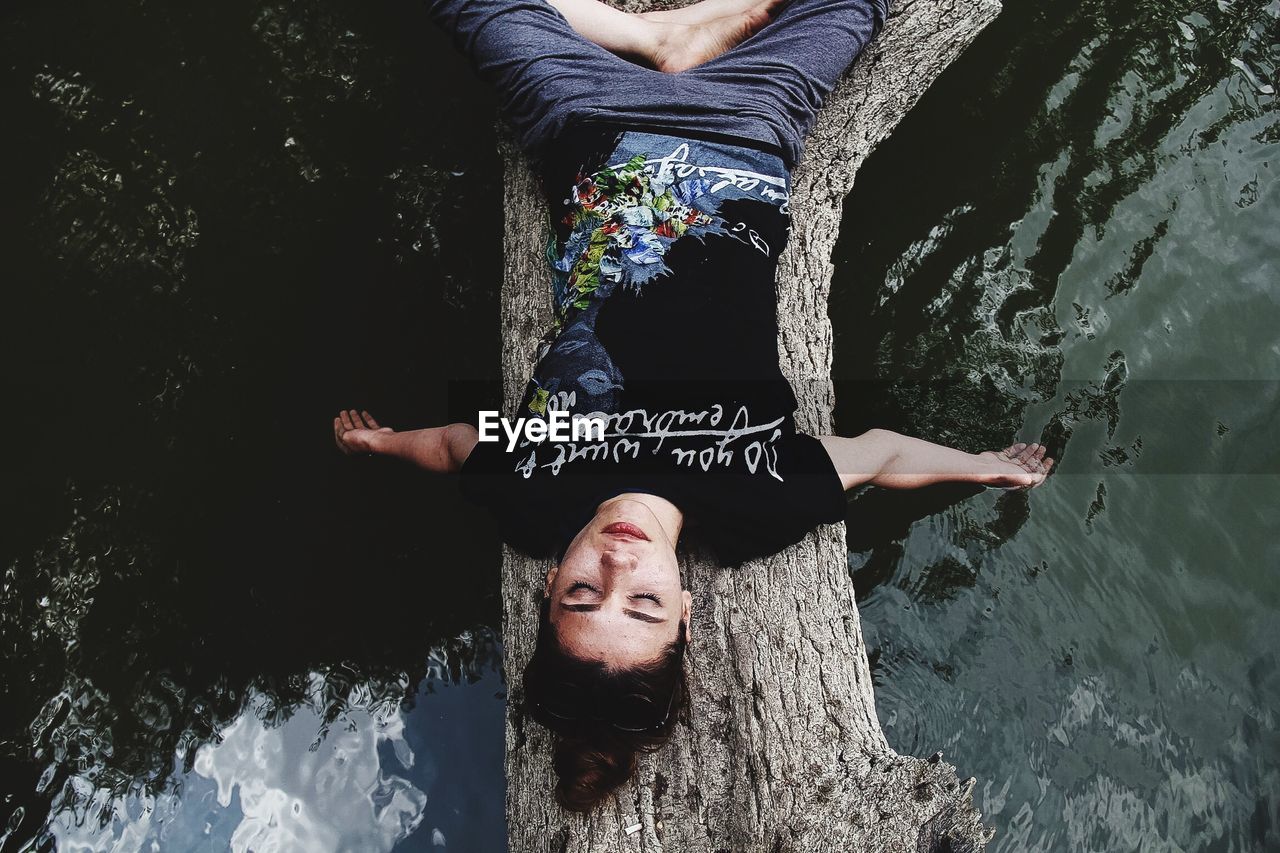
(879,457)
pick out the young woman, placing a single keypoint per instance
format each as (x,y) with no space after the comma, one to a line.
(668,190)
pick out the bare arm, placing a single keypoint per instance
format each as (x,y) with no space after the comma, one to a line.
(438,449)
(884,458)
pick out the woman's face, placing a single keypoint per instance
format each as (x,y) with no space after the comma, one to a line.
(616,596)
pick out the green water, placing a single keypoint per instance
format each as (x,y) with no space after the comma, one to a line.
(222,224)
(1074,238)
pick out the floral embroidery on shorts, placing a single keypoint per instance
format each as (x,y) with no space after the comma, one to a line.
(624,219)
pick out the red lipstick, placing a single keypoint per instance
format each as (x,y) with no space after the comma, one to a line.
(622,528)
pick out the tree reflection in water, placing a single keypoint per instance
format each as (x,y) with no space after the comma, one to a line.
(228,222)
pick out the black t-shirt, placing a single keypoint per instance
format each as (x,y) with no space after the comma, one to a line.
(664,256)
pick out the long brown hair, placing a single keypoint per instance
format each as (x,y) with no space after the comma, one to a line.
(592,757)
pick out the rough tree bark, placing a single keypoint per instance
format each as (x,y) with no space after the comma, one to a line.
(781,749)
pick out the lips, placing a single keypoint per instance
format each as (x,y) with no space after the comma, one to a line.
(622,528)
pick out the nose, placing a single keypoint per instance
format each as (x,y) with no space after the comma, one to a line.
(619,559)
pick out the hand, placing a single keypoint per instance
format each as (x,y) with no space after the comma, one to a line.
(357,432)
(1018,466)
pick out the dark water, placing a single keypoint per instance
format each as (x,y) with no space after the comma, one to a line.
(1075,237)
(222,224)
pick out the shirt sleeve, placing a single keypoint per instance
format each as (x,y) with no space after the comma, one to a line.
(524,517)
(745,517)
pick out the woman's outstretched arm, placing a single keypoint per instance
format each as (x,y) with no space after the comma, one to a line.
(884,458)
(438,449)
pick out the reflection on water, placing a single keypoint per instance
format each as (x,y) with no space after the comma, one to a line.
(367,777)
(221,224)
(1089,256)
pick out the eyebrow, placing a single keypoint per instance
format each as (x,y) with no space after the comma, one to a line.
(634,614)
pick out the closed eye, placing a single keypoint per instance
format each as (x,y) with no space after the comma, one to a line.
(577,585)
(649,596)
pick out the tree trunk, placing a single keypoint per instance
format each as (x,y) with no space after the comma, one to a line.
(782,750)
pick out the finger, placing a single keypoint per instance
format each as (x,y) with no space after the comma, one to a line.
(355,419)
(368,419)
(1048,463)
(346,420)
(1025,454)
(1040,452)
(337,437)
(1014,448)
